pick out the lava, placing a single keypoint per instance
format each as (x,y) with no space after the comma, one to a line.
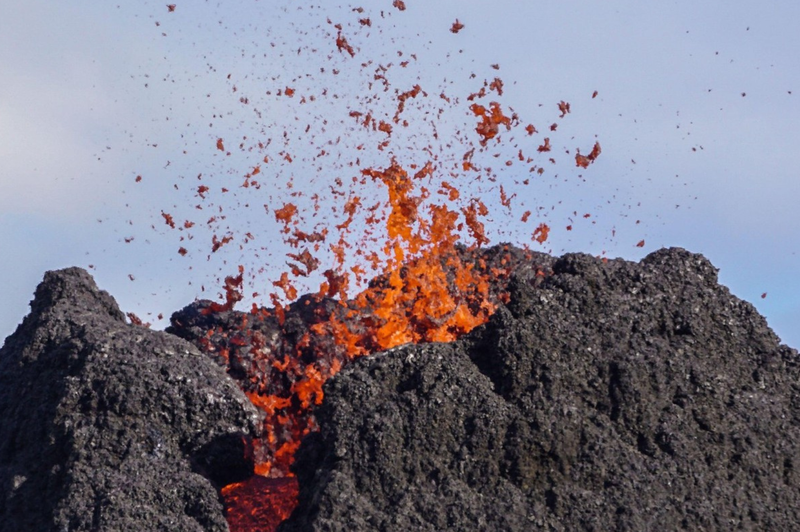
(260,504)
(401,223)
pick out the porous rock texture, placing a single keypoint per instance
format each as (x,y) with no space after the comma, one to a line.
(271,353)
(610,395)
(106,426)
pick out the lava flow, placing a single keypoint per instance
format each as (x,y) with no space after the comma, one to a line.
(407,204)
(433,290)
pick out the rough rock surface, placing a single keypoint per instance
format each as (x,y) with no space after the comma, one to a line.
(612,396)
(109,426)
(271,354)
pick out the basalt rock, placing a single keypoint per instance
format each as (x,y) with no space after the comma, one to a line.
(604,395)
(271,353)
(609,395)
(110,426)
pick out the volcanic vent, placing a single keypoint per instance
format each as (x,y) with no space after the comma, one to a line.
(417,170)
(282,359)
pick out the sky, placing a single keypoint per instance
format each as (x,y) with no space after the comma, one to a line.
(696,109)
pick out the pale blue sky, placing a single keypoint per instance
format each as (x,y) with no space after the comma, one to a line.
(88,88)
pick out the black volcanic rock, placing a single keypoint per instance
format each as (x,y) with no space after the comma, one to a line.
(270,353)
(109,426)
(606,396)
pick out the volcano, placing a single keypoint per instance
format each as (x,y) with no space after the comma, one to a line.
(598,394)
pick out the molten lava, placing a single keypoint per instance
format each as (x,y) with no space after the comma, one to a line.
(431,290)
(260,504)
(282,359)
(425,286)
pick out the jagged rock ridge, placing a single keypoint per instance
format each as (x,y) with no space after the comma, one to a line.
(273,354)
(612,396)
(109,426)
(606,395)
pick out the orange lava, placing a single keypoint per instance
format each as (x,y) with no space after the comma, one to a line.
(399,224)
(491,120)
(427,293)
(259,504)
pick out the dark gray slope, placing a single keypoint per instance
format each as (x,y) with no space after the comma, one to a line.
(105,425)
(612,396)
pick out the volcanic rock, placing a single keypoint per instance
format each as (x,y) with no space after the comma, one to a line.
(609,395)
(110,426)
(273,353)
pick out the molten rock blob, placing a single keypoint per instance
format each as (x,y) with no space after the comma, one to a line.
(612,396)
(109,426)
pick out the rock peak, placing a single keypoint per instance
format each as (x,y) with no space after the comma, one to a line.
(110,426)
(73,288)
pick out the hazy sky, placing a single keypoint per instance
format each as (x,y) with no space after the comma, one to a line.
(696,110)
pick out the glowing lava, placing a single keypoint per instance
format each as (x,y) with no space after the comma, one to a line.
(400,225)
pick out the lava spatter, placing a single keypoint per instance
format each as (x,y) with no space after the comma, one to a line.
(370,186)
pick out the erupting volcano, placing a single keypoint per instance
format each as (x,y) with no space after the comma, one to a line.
(361,205)
(396,187)
(431,290)
(282,359)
